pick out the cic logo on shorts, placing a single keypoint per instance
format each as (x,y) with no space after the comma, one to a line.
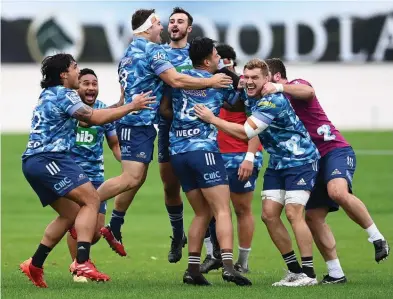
(212,176)
(63,183)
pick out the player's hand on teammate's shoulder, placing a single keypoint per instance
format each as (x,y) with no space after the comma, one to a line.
(203,113)
(220,81)
(83,124)
(268,88)
(142,101)
(242,84)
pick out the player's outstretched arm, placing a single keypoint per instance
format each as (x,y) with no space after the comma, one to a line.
(103,116)
(232,129)
(297,91)
(178,80)
(166,107)
(251,128)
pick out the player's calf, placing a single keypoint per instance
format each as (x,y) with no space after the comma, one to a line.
(245,227)
(294,211)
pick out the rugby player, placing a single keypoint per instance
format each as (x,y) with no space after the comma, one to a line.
(145,66)
(291,171)
(243,160)
(54,175)
(337,167)
(179,27)
(87,152)
(198,164)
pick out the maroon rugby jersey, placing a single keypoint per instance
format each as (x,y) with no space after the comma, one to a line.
(323,133)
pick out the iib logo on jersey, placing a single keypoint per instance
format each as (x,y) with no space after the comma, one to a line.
(86,136)
(159,56)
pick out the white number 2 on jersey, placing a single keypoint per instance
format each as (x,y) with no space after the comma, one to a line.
(293,145)
(326,132)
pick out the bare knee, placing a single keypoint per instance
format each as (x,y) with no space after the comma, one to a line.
(294,215)
(90,199)
(316,217)
(132,180)
(269,217)
(242,210)
(225,212)
(338,191)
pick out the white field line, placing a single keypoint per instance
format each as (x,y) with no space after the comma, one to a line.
(365,152)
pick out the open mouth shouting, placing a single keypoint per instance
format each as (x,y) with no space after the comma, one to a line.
(90,97)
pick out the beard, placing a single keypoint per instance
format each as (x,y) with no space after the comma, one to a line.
(180,36)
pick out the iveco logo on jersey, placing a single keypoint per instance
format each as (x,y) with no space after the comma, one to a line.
(63,183)
(187,133)
(33,144)
(211,176)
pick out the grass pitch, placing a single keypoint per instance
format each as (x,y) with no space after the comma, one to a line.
(146,273)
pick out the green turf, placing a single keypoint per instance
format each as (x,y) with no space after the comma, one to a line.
(145,273)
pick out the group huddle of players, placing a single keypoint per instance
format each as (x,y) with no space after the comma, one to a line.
(212,124)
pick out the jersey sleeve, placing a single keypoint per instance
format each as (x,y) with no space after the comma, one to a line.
(70,101)
(231,95)
(158,59)
(268,108)
(110,129)
(300,81)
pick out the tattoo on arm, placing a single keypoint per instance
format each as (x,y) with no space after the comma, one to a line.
(84,113)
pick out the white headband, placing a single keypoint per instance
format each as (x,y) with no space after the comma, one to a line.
(147,24)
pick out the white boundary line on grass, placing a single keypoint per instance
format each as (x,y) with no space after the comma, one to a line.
(364,152)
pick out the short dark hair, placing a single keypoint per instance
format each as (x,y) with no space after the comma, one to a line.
(277,66)
(52,67)
(181,10)
(87,71)
(140,16)
(226,51)
(200,49)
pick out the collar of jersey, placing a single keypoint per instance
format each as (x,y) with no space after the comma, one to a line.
(186,47)
(203,71)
